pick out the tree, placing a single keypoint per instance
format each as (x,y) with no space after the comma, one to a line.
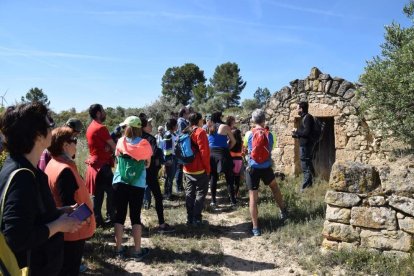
(389,82)
(261,95)
(250,104)
(36,95)
(228,84)
(184,83)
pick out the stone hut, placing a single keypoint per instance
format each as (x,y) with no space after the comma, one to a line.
(347,135)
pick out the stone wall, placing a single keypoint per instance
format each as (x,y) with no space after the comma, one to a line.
(371,207)
(328,97)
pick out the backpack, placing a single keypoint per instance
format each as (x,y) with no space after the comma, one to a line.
(8,262)
(129,168)
(183,148)
(260,145)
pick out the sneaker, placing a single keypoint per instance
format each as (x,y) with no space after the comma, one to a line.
(120,254)
(283,215)
(166,229)
(138,256)
(256,232)
(82,268)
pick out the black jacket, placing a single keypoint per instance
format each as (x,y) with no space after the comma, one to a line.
(305,130)
(29,205)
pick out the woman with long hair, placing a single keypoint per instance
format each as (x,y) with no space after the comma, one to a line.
(221,140)
(236,153)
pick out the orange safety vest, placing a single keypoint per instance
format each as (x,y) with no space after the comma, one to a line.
(53,169)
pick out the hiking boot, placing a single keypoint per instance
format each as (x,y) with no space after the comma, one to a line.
(120,254)
(165,229)
(256,232)
(138,256)
(283,215)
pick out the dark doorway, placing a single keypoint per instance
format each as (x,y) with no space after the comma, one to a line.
(324,153)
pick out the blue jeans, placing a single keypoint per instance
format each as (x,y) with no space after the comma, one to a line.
(305,155)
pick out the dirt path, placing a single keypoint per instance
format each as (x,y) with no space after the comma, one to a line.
(239,253)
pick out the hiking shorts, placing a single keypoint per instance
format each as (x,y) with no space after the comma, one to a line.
(254,175)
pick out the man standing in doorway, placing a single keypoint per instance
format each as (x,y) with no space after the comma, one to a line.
(305,144)
(100,162)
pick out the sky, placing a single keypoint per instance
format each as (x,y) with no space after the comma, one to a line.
(115,52)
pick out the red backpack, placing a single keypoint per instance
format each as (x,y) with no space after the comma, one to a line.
(260,145)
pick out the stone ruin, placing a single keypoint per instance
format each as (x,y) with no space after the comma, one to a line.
(370,201)
(347,134)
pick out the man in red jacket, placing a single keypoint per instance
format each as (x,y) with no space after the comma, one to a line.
(197,172)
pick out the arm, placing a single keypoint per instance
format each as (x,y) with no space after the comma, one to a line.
(307,127)
(66,186)
(111,144)
(226,130)
(204,149)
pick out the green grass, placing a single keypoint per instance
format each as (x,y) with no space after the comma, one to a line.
(194,251)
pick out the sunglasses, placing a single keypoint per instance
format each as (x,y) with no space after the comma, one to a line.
(73,140)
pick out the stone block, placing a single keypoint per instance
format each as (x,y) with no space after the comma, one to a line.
(347,246)
(345,85)
(402,203)
(334,87)
(315,85)
(374,217)
(335,214)
(376,201)
(340,232)
(353,177)
(398,177)
(314,74)
(386,240)
(341,199)
(396,254)
(406,224)
(329,245)
(349,94)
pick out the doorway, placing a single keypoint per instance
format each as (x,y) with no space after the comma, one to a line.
(324,153)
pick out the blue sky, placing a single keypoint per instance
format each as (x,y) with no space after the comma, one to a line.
(115,52)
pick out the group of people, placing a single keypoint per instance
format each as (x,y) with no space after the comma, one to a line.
(44,186)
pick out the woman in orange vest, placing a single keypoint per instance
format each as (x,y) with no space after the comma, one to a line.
(68,188)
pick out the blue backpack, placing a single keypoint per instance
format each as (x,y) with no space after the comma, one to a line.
(183,148)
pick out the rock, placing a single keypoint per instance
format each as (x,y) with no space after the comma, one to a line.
(315,85)
(376,201)
(340,232)
(346,246)
(341,199)
(374,217)
(314,74)
(402,203)
(330,245)
(396,254)
(334,87)
(335,214)
(353,177)
(328,86)
(343,88)
(349,94)
(324,77)
(386,240)
(398,177)
(406,224)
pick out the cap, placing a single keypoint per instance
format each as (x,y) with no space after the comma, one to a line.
(160,128)
(74,124)
(208,117)
(132,121)
(149,120)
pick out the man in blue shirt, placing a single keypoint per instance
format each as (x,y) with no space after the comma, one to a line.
(259,143)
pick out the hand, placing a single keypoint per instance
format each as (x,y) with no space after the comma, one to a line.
(68,224)
(69,209)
